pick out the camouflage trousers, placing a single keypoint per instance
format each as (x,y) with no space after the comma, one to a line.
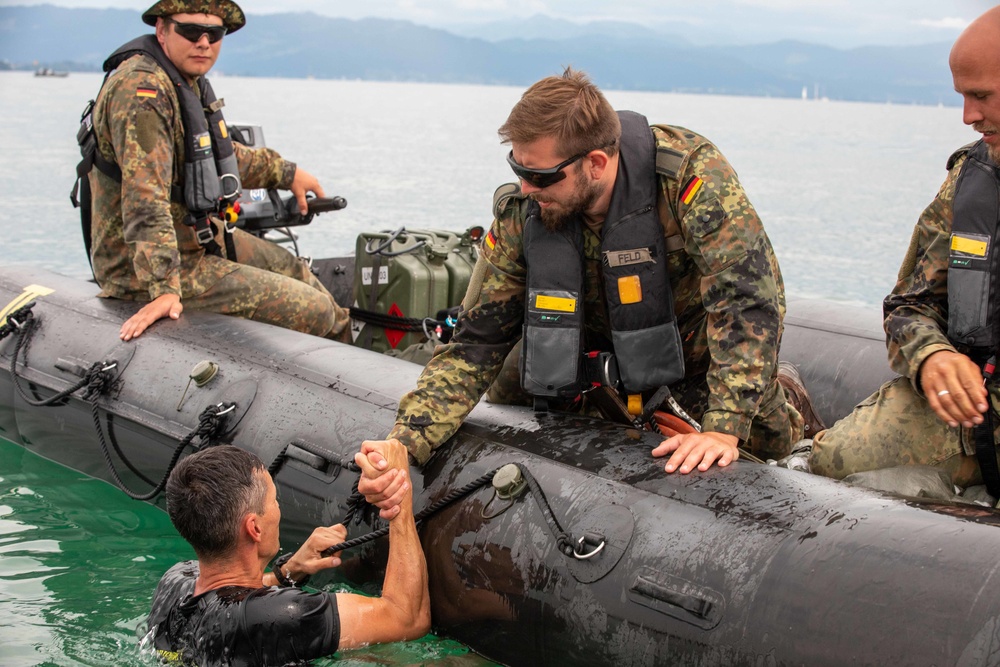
(270,284)
(775,428)
(894,426)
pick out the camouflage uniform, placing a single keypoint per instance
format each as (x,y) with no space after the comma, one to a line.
(141,247)
(729,302)
(895,425)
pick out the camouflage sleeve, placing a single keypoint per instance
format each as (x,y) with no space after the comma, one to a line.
(460,373)
(741,288)
(916,312)
(263,168)
(141,118)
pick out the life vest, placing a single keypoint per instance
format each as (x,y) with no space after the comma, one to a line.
(973,282)
(645,338)
(973,259)
(211,173)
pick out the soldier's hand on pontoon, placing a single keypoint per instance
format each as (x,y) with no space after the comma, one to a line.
(701,450)
(953,385)
(384,475)
(165,305)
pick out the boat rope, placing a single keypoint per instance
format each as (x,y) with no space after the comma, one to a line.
(210,424)
(430,510)
(389,321)
(26,326)
(356,503)
(16,319)
(109,422)
(563,539)
(99,380)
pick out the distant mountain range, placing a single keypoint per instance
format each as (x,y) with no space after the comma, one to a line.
(617,55)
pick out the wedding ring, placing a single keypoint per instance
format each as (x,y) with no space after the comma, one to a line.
(943,392)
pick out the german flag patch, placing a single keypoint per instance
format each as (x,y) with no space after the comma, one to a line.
(491,240)
(691,189)
(146,92)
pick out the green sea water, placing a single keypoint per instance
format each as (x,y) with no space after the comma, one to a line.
(79,561)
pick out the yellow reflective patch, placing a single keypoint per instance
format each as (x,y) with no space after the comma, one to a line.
(968,246)
(30,293)
(223,129)
(172,657)
(630,289)
(204,141)
(635,404)
(561,304)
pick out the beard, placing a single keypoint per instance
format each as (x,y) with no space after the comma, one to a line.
(580,200)
(992,151)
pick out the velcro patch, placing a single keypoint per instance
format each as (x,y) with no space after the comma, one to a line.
(629,289)
(972,245)
(491,240)
(615,258)
(146,92)
(557,303)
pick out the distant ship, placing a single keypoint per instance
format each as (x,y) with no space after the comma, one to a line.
(48,71)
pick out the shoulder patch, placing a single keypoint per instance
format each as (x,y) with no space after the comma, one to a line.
(669,161)
(957,155)
(690,189)
(505,196)
(674,145)
(141,63)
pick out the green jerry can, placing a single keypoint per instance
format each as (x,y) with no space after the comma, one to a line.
(460,252)
(396,275)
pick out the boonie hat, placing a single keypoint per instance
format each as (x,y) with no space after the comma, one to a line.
(230,13)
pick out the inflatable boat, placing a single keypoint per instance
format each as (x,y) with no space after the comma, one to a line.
(746,565)
(550,538)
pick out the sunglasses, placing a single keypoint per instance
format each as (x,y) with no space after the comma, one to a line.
(542,178)
(192,32)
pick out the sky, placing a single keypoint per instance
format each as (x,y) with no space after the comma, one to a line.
(840,23)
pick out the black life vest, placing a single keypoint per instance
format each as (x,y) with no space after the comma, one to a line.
(640,303)
(211,173)
(973,258)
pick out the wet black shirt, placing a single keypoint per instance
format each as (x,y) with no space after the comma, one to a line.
(238,625)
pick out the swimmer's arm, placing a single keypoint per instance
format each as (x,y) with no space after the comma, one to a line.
(309,559)
(403,611)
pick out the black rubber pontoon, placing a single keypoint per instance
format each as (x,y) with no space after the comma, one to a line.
(747,565)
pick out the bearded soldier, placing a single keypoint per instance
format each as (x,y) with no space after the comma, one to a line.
(620,238)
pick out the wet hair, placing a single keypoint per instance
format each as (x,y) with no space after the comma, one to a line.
(209,493)
(569,108)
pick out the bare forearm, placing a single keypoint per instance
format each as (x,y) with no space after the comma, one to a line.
(405,587)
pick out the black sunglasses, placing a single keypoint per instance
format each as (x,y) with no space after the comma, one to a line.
(542,178)
(192,32)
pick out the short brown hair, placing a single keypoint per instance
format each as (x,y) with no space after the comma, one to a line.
(209,493)
(569,108)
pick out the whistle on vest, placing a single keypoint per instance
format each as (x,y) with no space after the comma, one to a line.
(232,213)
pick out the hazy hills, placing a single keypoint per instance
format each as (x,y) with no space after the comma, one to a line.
(617,55)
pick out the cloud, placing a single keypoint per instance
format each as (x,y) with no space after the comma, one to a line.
(948,23)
